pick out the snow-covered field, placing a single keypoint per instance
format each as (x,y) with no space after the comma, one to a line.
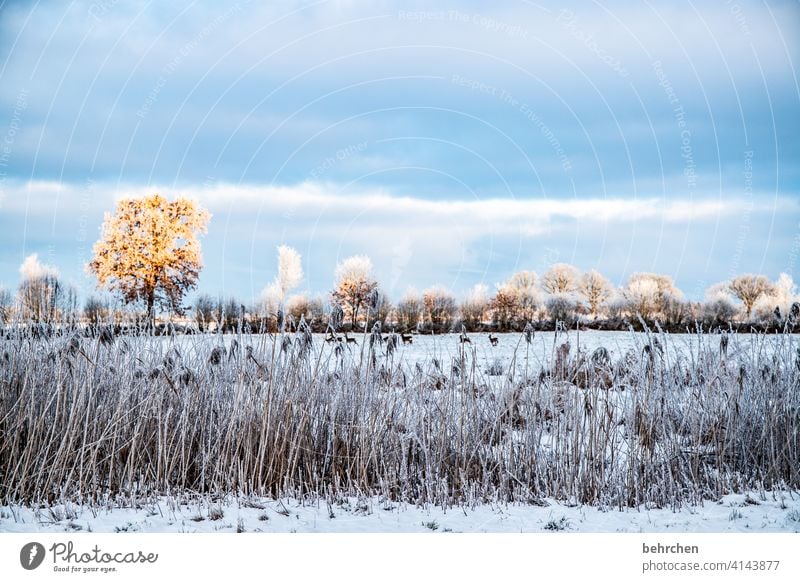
(751,512)
(512,347)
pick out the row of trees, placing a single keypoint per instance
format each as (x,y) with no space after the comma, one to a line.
(564,294)
(149,256)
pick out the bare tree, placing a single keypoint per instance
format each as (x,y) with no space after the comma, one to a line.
(354,282)
(230,314)
(380,306)
(717,312)
(96,311)
(561,278)
(440,307)
(748,288)
(409,310)
(474,306)
(562,307)
(204,311)
(718,309)
(504,306)
(311,310)
(42,296)
(6,304)
(596,289)
(301,307)
(149,251)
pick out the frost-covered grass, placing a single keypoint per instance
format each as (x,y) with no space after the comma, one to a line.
(661,426)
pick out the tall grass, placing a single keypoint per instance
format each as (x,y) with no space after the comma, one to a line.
(290,415)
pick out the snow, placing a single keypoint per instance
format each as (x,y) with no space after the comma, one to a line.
(511,347)
(745,512)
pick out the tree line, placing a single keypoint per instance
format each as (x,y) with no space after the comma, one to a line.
(149,258)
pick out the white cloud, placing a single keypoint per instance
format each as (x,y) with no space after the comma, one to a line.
(320,206)
(528,217)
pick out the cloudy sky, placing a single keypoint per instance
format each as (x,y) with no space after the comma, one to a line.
(452,142)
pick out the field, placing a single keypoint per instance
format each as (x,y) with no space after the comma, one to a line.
(610,431)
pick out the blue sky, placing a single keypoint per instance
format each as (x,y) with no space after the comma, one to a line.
(452,142)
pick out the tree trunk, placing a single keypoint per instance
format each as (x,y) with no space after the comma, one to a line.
(151,315)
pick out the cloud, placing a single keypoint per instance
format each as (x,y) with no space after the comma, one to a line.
(304,205)
(265,92)
(530,217)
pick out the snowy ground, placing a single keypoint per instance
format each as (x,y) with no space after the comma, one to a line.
(511,347)
(752,512)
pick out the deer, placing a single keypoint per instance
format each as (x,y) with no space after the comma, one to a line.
(464,339)
(407,339)
(349,340)
(493,340)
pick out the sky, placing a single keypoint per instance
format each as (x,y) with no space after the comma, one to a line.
(453,143)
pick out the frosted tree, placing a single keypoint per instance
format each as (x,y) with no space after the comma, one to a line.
(440,306)
(475,305)
(650,294)
(6,303)
(596,290)
(778,302)
(505,305)
(748,288)
(719,307)
(409,309)
(149,251)
(41,293)
(719,291)
(354,284)
(561,279)
(523,286)
(271,298)
(290,271)
(642,296)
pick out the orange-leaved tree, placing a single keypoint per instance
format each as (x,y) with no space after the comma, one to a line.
(149,251)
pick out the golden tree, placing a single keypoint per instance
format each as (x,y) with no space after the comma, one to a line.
(148,251)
